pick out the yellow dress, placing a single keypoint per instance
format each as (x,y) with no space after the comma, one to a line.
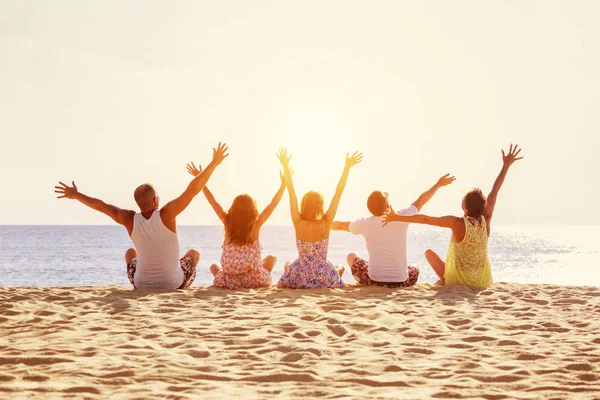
(467,262)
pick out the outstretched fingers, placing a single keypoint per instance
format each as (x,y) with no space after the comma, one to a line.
(446,180)
(354,159)
(59,190)
(224,150)
(517,152)
(220,153)
(283,156)
(193,170)
(63,190)
(385,220)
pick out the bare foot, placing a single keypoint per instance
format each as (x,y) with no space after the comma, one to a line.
(340,270)
(215,269)
(286,266)
(269,262)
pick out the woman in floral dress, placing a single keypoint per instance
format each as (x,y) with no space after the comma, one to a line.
(242,265)
(312,226)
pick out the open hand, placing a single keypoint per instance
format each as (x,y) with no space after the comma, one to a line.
(352,160)
(191,168)
(445,180)
(388,217)
(220,153)
(284,157)
(511,157)
(64,191)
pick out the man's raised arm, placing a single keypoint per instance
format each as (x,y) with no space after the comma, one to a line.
(427,195)
(119,215)
(175,207)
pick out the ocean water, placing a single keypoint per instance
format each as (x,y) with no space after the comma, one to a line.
(94,255)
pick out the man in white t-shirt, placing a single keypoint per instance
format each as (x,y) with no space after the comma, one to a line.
(387,264)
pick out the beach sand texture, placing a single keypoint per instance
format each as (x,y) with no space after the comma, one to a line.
(510,341)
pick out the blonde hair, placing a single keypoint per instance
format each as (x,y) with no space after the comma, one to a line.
(240,220)
(311,207)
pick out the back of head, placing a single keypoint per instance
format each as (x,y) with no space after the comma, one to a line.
(144,197)
(311,207)
(241,218)
(474,203)
(377,203)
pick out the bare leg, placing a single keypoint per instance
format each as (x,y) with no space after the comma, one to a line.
(215,269)
(195,255)
(286,266)
(340,269)
(351,258)
(129,255)
(269,262)
(438,266)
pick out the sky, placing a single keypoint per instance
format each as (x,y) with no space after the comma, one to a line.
(113,94)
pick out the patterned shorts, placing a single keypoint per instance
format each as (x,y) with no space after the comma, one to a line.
(187,266)
(360,271)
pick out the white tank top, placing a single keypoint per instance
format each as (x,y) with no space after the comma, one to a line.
(157,254)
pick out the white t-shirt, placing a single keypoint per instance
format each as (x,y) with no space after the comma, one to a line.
(386,246)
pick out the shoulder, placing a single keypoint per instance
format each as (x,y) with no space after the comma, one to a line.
(165,215)
(129,216)
(459,222)
(362,221)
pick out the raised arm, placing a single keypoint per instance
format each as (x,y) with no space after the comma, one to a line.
(284,159)
(507,161)
(335,201)
(119,215)
(444,222)
(173,208)
(266,213)
(427,195)
(191,168)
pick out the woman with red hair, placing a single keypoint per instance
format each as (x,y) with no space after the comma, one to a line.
(242,265)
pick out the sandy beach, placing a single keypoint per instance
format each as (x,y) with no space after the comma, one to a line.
(510,341)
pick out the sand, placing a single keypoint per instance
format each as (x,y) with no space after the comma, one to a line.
(507,342)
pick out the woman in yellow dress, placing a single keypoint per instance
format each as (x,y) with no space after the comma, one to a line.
(467,262)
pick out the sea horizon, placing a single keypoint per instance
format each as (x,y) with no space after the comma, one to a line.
(74,255)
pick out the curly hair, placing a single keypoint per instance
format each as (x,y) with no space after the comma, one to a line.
(311,207)
(474,203)
(240,220)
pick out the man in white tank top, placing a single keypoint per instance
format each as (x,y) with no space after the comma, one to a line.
(154,263)
(387,264)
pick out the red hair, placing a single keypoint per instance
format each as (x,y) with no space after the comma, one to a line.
(240,220)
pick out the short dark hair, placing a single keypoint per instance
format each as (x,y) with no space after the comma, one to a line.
(377,203)
(474,202)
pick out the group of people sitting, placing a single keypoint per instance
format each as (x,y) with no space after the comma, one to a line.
(155,263)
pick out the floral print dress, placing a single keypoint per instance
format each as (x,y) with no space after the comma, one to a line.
(242,267)
(311,270)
